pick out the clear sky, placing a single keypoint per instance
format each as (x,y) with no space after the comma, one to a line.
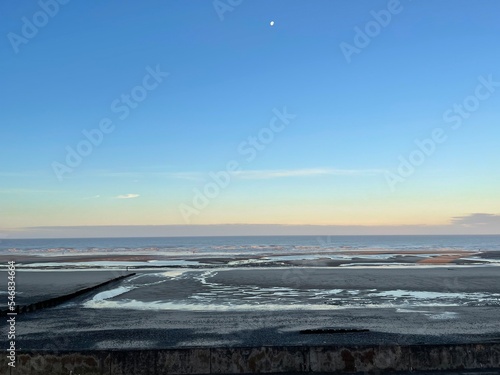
(141,113)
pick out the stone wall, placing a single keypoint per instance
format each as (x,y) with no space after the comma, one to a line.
(367,359)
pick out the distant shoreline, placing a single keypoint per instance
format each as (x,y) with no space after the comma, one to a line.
(278,258)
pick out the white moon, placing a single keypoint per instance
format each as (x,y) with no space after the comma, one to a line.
(271,23)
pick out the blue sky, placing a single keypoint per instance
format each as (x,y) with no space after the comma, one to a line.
(334,160)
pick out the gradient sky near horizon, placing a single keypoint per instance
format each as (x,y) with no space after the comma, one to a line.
(226,80)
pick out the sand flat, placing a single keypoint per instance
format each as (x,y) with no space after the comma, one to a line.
(166,320)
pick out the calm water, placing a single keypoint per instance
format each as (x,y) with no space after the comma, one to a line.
(249,245)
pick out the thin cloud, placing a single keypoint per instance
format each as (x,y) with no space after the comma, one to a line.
(127,196)
(241,230)
(311,172)
(136,176)
(281,173)
(253,174)
(476,219)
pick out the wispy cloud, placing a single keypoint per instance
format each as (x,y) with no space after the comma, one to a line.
(476,219)
(246,230)
(127,196)
(309,172)
(251,174)
(137,175)
(264,174)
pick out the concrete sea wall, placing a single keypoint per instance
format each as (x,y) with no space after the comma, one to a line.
(363,359)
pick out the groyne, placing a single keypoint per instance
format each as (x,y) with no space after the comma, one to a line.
(51,302)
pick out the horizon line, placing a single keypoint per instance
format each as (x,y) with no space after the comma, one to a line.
(244,230)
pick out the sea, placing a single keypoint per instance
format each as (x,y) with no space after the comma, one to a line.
(252,250)
(249,245)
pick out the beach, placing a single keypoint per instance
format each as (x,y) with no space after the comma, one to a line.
(247,291)
(261,306)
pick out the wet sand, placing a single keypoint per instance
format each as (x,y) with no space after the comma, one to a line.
(74,326)
(76,329)
(273,259)
(454,279)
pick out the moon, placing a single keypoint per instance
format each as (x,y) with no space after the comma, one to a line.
(271,23)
